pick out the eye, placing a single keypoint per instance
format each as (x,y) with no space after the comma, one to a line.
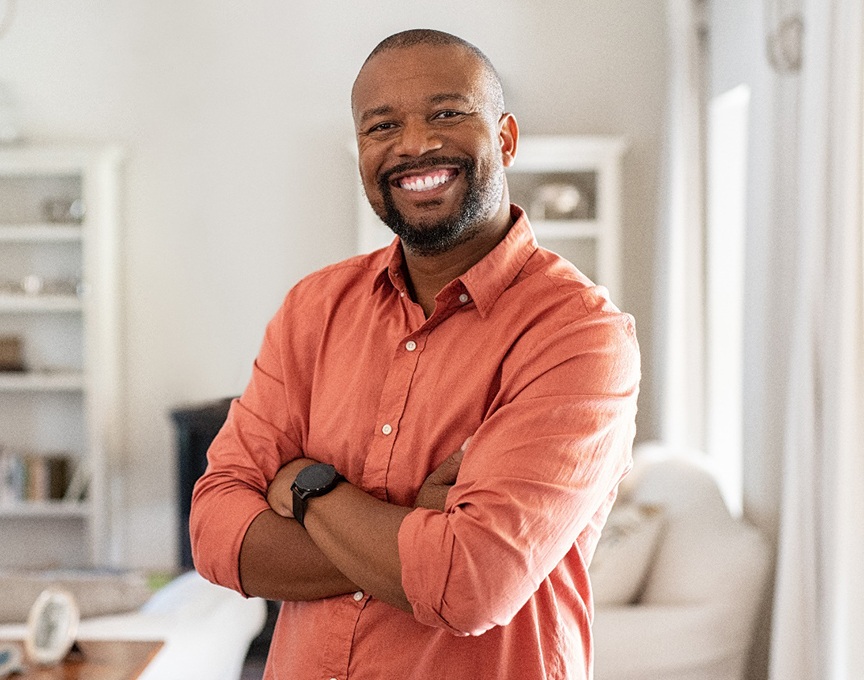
(447,114)
(381,127)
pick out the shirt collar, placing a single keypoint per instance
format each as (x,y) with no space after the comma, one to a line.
(490,277)
(486,280)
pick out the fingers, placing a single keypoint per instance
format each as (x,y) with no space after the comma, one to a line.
(447,471)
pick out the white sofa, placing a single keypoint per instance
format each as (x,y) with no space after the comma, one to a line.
(695,610)
(206,629)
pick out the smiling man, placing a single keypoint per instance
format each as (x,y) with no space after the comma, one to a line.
(433,433)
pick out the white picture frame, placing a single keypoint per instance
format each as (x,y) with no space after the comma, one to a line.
(51,627)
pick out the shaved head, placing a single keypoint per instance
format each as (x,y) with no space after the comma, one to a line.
(427,36)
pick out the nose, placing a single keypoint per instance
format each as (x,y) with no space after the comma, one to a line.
(417,138)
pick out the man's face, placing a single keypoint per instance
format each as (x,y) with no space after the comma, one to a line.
(429,140)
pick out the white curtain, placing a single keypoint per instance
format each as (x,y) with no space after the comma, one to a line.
(682,247)
(818,628)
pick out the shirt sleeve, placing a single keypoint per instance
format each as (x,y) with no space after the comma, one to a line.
(255,442)
(536,472)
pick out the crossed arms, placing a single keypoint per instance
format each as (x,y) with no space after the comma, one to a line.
(536,480)
(350,541)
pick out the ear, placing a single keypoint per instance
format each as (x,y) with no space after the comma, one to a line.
(508,134)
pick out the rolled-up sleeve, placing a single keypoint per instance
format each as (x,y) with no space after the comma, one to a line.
(536,472)
(242,461)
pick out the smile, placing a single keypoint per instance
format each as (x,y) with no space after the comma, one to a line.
(426,181)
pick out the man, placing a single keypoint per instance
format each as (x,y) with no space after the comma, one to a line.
(406,560)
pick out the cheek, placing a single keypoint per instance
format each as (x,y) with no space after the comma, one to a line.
(372,190)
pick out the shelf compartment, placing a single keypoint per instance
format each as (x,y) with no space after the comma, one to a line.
(12,302)
(42,232)
(47,509)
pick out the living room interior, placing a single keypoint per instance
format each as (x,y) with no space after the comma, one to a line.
(216,141)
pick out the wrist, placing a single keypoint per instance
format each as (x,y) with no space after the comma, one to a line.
(312,481)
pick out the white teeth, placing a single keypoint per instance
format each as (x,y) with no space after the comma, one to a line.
(425,183)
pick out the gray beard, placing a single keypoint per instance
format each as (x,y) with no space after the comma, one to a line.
(433,238)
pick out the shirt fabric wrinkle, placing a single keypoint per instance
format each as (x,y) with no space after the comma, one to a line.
(536,364)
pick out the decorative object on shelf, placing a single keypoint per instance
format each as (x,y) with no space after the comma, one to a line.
(33,285)
(560,195)
(555,202)
(63,210)
(34,477)
(51,627)
(11,353)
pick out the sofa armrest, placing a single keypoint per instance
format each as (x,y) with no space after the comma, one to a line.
(647,642)
(207,629)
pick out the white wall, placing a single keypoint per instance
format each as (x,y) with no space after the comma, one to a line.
(236,118)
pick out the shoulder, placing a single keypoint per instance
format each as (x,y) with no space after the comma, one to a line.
(566,315)
(562,291)
(345,274)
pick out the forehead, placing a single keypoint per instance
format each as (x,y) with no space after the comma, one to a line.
(420,73)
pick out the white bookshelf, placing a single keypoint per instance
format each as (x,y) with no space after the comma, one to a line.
(58,299)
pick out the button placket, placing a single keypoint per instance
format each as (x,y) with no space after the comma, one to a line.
(394,397)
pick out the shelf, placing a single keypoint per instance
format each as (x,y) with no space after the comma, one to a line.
(60,301)
(49,509)
(566,228)
(41,381)
(11,302)
(40,233)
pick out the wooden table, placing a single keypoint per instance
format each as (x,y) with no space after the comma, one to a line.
(99,660)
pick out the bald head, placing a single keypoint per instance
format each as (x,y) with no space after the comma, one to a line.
(424,36)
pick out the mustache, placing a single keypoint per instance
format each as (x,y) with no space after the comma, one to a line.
(463,164)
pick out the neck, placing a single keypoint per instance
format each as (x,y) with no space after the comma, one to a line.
(428,274)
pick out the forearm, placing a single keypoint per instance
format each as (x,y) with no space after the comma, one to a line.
(358,534)
(279,561)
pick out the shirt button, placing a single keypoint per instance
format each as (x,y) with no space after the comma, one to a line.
(410,345)
(464,298)
(387,429)
(358,595)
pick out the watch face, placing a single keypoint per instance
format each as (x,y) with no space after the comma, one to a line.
(315,477)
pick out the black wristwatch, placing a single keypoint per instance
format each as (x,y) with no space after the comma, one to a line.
(314,480)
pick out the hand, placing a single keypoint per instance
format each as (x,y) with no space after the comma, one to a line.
(433,493)
(279,494)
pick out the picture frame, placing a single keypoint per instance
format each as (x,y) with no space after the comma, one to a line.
(51,627)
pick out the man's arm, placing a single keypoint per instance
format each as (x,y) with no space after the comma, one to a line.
(331,523)
(279,561)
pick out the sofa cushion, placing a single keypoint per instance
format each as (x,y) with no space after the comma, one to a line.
(97,592)
(625,552)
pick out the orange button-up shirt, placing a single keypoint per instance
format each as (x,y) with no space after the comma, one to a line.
(522,353)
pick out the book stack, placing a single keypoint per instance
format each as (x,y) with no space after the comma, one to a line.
(26,476)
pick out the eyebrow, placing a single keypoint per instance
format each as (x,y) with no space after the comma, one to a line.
(449,97)
(386,109)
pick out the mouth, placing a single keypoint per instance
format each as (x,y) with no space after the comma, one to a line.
(426,181)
